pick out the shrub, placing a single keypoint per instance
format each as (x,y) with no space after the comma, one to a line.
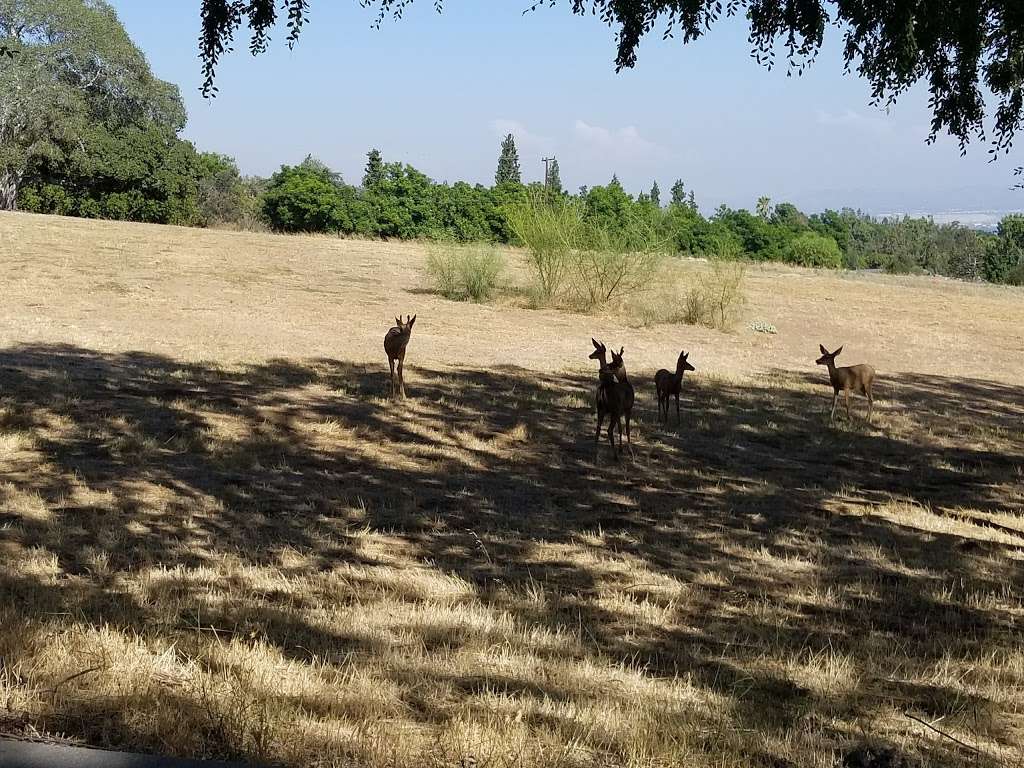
(714,299)
(614,264)
(717,298)
(551,230)
(810,249)
(1016,275)
(663,302)
(303,199)
(465,273)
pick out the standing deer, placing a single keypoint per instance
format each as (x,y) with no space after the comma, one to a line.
(619,396)
(668,384)
(600,397)
(853,378)
(395,342)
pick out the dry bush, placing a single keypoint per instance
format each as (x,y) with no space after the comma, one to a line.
(712,298)
(614,266)
(465,273)
(717,298)
(580,265)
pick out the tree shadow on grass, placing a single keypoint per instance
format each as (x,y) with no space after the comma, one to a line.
(143,461)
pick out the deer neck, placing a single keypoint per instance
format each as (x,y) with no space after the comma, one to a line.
(833,372)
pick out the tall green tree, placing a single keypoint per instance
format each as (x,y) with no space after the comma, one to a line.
(554,182)
(374,173)
(75,68)
(764,207)
(655,195)
(508,163)
(678,193)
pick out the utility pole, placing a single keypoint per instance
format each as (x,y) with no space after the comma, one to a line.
(546,175)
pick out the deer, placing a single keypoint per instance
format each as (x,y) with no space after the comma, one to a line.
(854,378)
(619,395)
(600,399)
(667,384)
(395,342)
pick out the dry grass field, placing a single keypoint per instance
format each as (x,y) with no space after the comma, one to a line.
(219,539)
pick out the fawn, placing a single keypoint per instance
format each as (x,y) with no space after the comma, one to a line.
(619,395)
(395,342)
(855,378)
(668,384)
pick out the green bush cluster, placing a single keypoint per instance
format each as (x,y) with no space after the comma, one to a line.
(603,228)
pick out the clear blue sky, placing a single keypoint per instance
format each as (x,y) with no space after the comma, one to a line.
(439,91)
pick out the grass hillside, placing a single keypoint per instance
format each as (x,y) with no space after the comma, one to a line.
(218,538)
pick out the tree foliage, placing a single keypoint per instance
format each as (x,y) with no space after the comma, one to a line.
(374,173)
(75,69)
(959,49)
(508,163)
(554,180)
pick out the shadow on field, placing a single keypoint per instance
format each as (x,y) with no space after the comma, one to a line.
(146,461)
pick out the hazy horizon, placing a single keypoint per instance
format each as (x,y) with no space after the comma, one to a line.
(439,92)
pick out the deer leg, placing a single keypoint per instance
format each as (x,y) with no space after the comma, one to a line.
(401,376)
(846,397)
(611,437)
(835,399)
(871,404)
(391,362)
(629,437)
(677,409)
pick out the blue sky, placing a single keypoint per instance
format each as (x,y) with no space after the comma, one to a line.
(439,91)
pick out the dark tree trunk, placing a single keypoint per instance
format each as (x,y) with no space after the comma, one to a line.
(9,190)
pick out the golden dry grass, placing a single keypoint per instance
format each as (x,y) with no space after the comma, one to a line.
(217,538)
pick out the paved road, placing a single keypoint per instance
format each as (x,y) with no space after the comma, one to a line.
(24,754)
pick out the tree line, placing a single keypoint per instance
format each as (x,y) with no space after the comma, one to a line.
(87,130)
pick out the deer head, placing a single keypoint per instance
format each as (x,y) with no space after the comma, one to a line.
(827,358)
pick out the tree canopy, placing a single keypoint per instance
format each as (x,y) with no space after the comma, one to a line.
(960,48)
(74,69)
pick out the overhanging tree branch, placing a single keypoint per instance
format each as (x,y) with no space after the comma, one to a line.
(958,47)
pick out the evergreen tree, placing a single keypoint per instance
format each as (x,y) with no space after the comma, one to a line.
(583,190)
(656,195)
(615,181)
(374,173)
(679,193)
(554,182)
(692,201)
(508,163)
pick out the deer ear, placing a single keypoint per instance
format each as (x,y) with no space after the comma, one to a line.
(621,350)
(837,351)
(412,320)
(594,342)
(686,355)
(398,320)
(822,348)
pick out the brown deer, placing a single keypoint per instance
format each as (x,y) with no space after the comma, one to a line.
(668,384)
(854,378)
(600,398)
(395,342)
(619,396)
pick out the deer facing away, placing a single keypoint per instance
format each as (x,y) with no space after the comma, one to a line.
(395,342)
(854,378)
(668,384)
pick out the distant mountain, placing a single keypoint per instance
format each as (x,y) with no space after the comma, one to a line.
(986,221)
